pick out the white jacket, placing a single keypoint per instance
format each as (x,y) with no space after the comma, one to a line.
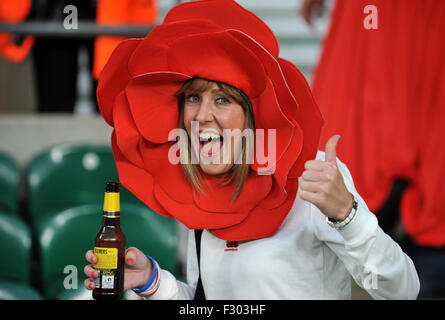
(305,259)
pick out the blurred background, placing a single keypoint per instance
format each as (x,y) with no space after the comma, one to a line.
(55,153)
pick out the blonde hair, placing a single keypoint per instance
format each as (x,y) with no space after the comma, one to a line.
(239,172)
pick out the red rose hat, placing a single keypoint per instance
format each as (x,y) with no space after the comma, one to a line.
(221,41)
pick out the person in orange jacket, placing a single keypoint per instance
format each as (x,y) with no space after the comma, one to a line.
(56,59)
(119,12)
(14,11)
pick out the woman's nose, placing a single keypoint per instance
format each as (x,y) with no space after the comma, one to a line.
(205,113)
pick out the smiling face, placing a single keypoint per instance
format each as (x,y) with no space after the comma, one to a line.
(214,110)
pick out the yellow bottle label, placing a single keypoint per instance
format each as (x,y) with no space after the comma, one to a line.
(112,201)
(106,258)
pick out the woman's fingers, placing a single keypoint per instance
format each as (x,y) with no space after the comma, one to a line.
(315,165)
(311,186)
(89,271)
(89,284)
(309,175)
(138,269)
(322,184)
(136,259)
(90,256)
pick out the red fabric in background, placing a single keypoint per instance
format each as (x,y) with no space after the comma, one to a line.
(384,91)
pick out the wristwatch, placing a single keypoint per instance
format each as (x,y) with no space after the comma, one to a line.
(341,224)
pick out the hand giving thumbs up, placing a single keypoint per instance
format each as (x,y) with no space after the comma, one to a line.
(323,184)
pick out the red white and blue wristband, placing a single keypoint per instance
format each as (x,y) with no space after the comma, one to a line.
(152,285)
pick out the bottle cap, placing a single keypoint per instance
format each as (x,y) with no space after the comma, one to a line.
(112,187)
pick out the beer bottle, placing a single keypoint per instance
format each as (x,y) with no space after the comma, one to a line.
(109,247)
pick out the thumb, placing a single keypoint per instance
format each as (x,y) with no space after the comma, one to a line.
(330,150)
(135,258)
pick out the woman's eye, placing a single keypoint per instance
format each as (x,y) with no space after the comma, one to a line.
(223,100)
(193,98)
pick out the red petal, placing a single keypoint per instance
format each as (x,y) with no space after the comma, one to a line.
(218,57)
(154,105)
(229,15)
(114,77)
(127,136)
(170,177)
(195,218)
(137,180)
(217,197)
(268,115)
(260,222)
(310,118)
(150,55)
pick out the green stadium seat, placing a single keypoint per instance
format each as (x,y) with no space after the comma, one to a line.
(68,175)
(9,181)
(15,248)
(65,237)
(10,290)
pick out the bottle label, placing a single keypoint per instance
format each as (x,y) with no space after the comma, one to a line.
(106,258)
(106,266)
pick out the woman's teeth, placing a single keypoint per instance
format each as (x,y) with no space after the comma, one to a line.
(210,143)
(207,136)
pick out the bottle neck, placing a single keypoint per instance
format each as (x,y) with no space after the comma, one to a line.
(111,211)
(111,218)
(112,202)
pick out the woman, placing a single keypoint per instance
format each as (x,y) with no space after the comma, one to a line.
(281,222)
